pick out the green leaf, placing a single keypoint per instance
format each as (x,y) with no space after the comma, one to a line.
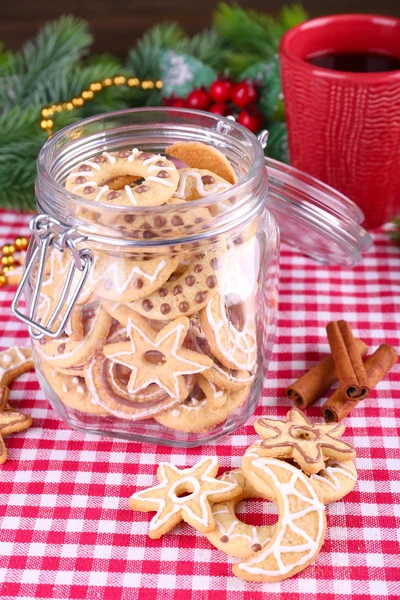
(181,73)
(267,75)
(278,147)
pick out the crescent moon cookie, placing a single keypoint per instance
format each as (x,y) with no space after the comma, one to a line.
(184,495)
(11,421)
(230,333)
(308,444)
(64,352)
(14,362)
(184,295)
(72,391)
(125,280)
(231,535)
(202,156)
(158,358)
(109,178)
(299,533)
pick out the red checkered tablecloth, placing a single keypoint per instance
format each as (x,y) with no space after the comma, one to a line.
(66,530)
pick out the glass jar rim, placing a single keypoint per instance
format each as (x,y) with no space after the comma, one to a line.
(222,125)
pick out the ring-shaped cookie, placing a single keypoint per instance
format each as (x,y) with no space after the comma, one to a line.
(299,533)
(231,535)
(230,333)
(199,183)
(106,178)
(64,352)
(202,156)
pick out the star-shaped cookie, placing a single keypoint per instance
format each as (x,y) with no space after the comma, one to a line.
(185,494)
(308,444)
(11,421)
(158,357)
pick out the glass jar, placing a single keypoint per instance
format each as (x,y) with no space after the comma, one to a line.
(156,323)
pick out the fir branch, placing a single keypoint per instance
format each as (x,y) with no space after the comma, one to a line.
(57,47)
(207,46)
(143,60)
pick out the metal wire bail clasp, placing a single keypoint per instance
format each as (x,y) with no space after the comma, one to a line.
(46,232)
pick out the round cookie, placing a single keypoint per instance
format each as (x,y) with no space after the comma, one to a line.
(335,481)
(299,533)
(202,156)
(230,333)
(231,535)
(194,415)
(185,294)
(107,178)
(199,183)
(72,391)
(64,352)
(14,362)
(104,390)
(124,280)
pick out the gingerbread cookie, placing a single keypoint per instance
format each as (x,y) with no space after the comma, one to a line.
(231,535)
(109,390)
(184,495)
(309,445)
(64,352)
(14,362)
(230,333)
(72,391)
(215,395)
(124,279)
(125,178)
(11,421)
(199,183)
(201,156)
(157,358)
(299,533)
(194,415)
(185,294)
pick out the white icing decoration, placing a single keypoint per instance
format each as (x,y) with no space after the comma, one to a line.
(152,159)
(8,364)
(328,475)
(175,413)
(103,189)
(90,163)
(230,377)
(131,197)
(156,344)
(182,503)
(80,389)
(79,174)
(133,155)
(75,380)
(244,341)
(112,159)
(216,393)
(65,387)
(159,180)
(287,519)
(214,189)
(156,168)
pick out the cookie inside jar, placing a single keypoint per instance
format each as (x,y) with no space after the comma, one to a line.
(172,349)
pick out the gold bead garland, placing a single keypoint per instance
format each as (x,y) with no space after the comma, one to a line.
(7,260)
(95,87)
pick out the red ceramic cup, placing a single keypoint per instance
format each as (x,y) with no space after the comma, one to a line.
(344,127)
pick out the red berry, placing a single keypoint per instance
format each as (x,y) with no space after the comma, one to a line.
(221,90)
(198,99)
(251,119)
(174,101)
(219,108)
(244,93)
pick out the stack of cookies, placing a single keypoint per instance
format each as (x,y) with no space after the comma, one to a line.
(299,466)
(162,333)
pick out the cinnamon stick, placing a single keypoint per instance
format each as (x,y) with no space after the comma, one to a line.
(338,406)
(313,384)
(349,366)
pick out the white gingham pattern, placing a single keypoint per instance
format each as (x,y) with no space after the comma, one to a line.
(66,530)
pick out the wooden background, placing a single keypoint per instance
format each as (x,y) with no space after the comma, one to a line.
(117,23)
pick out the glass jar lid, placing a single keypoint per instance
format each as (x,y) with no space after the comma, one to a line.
(315,218)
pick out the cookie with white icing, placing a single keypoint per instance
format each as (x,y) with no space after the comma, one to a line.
(11,421)
(184,495)
(231,535)
(14,362)
(215,395)
(65,352)
(300,531)
(199,183)
(110,178)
